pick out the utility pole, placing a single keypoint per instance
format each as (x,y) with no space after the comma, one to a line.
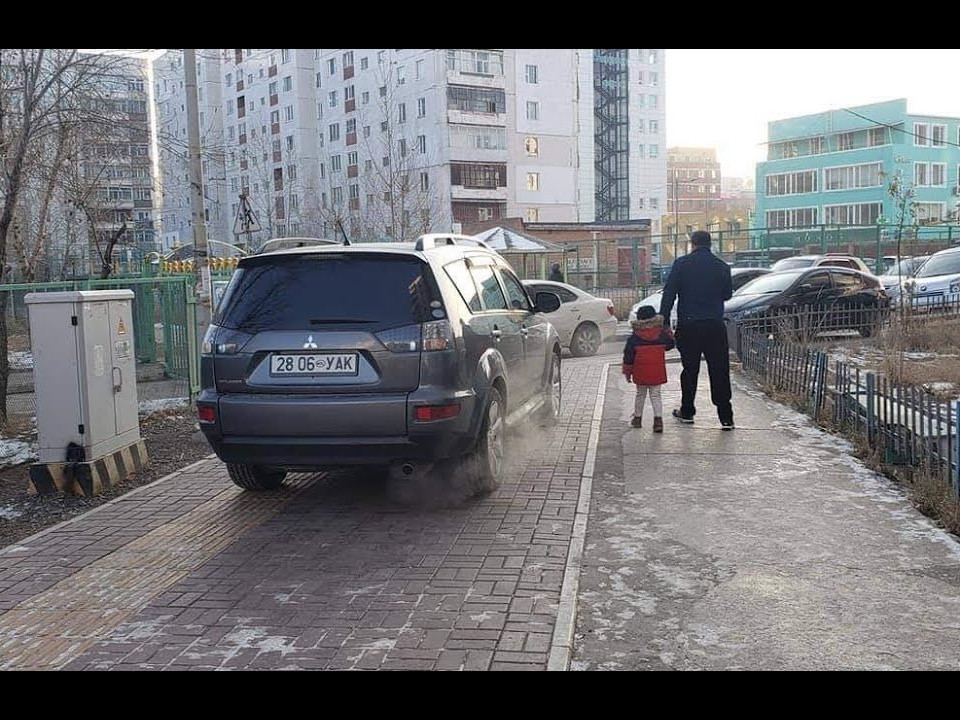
(200,267)
(676,217)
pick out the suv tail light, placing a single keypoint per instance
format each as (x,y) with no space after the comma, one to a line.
(429,413)
(206,413)
(437,335)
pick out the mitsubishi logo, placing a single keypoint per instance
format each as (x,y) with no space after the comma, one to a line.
(310,344)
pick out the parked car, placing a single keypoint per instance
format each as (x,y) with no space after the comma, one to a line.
(831,260)
(837,298)
(900,271)
(936,282)
(407,355)
(739,277)
(584,322)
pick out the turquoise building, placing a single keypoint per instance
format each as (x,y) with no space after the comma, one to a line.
(826,176)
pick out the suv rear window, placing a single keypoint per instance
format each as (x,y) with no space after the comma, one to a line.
(303,291)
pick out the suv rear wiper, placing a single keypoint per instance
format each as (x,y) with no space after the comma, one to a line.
(338,321)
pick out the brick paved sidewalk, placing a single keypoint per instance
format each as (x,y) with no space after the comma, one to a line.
(193,573)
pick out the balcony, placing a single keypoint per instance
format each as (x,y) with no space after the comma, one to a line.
(353,171)
(461,192)
(241,112)
(274,99)
(274,128)
(239,85)
(350,106)
(348,72)
(351,138)
(277,156)
(462,117)
(355,204)
(272,72)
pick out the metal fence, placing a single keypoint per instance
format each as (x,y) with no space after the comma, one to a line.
(905,423)
(165,336)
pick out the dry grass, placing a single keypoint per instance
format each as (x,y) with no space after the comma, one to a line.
(938,337)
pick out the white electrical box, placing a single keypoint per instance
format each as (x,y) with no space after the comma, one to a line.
(84,372)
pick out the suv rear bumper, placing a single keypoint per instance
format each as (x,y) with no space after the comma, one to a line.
(436,440)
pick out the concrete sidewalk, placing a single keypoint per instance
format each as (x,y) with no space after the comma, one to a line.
(767,548)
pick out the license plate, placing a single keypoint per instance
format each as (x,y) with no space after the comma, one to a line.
(314,364)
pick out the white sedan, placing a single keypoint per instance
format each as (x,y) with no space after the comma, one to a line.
(584,322)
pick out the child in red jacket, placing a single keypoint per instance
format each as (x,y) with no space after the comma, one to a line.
(644,363)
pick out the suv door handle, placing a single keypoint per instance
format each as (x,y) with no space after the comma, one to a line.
(496,333)
(524,331)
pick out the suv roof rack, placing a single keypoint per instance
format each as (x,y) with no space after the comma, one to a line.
(294,242)
(432,240)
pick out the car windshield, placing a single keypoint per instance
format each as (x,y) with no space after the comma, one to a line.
(302,291)
(792,264)
(905,267)
(945,264)
(772,283)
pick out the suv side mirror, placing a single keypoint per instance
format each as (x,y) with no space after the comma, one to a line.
(547,302)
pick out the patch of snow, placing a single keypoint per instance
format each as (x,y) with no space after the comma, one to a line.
(20,360)
(8,512)
(15,452)
(147,407)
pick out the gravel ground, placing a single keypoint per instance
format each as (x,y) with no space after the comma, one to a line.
(172,442)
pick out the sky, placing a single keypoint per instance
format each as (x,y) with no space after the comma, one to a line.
(725,98)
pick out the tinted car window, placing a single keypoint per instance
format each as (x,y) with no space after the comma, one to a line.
(741,279)
(299,292)
(565,295)
(839,263)
(458,273)
(775,282)
(490,291)
(819,280)
(792,264)
(518,298)
(946,264)
(849,281)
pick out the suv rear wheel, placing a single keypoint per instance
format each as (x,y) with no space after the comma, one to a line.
(552,394)
(255,477)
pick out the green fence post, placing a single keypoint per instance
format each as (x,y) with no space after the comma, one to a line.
(193,346)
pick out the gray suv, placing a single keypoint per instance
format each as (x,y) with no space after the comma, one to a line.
(415,356)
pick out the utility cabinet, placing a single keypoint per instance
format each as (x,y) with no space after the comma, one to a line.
(84,373)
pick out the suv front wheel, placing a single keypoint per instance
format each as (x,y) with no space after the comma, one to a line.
(255,477)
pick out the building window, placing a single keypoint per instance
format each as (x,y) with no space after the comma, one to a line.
(292,172)
(478,175)
(319,76)
(654,126)
(530,73)
(654,203)
(852,176)
(336,195)
(938,135)
(845,141)
(348,59)
(403,147)
(365,98)
(533,181)
(653,102)
(652,59)
(877,136)
(289,142)
(421,107)
(287,83)
(284,56)
(930,211)
(479,100)
(422,144)
(929,174)
(533,214)
(332,66)
(654,79)
(364,63)
(640,149)
(794,183)
(332,98)
(799,217)
(861,214)
(532,147)
(640,126)
(400,77)
(418,69)
(921,134)
(401,112)
(383,91)
(921,174)
(348,93)
(382,57)
(641,101)
(654,151)
(335,164)
(366,131)
(816,146)
(351,126)
(334,132)
(288,113)
(424,181)
(533,110)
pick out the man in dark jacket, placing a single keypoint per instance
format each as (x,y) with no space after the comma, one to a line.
(556,274)
(702,282)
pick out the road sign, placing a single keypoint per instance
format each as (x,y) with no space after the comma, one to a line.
(246,220)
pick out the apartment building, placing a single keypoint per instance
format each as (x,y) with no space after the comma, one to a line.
(387,143)
(833,168)
(176,225)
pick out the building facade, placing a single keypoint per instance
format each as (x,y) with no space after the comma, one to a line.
(382,143)
(834,168)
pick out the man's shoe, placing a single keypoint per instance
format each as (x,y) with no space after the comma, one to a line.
(679,416)
(658,424)
(726,424)
(636,421)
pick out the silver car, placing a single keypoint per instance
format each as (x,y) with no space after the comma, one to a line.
(414,356)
